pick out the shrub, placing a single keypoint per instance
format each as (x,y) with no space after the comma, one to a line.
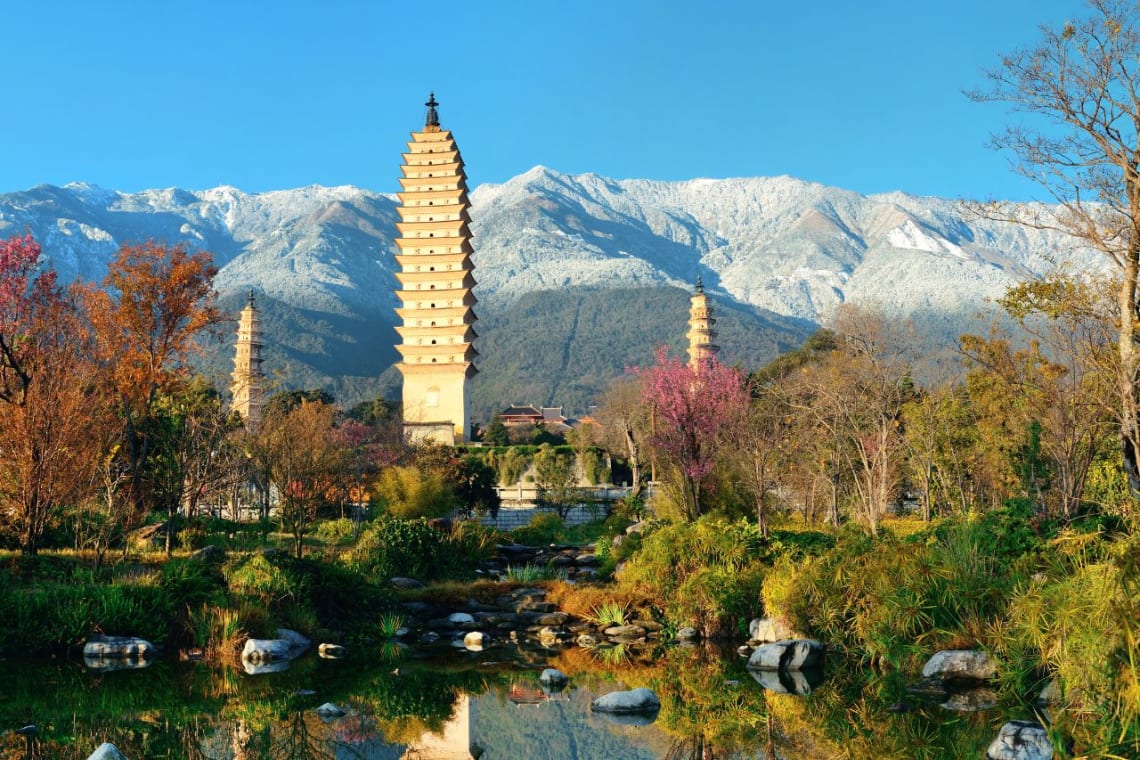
(544,528)
(259,577)
(408,493)
(393,547)
(192,582)
(335,531)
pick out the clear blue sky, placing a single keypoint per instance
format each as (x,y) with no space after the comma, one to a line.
(271,95)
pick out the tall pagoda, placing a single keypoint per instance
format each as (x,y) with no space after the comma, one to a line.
(436,277)
(702,332)
(248,384)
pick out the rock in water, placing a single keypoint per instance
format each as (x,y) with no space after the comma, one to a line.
(627,702)
(792,654)
(107,751)
(1021,740)
(960,665)
(552,676)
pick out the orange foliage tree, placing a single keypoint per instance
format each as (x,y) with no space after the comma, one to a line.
(156,299)
(48,379)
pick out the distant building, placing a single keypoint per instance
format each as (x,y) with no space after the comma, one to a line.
(520,414)
(248,384)
(702,332)
(436,279)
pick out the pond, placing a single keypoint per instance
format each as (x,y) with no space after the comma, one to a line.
(452,703)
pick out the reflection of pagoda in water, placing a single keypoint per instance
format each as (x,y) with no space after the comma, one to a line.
(455,741)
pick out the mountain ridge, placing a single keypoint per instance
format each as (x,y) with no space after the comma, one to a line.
(785,251)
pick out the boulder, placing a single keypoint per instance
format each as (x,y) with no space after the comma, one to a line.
(790,654)
(587,640)
(1020,740)
(688,633)
(960,665)
(287,645)
(625,632)
(587,559)
(476,640)
(117,647)
(107,751)
(634,702)
(552,677)
(460,619)
(406,584)
(331,651)
(552,618)
(548,636)
(768,630)
(329,710)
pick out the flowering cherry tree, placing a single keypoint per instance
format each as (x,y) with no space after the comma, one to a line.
(695,412)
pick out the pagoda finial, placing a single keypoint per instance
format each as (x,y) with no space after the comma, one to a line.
(432,118)
(249,301)
(700,285)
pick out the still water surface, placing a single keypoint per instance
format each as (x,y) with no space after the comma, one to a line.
(457,704)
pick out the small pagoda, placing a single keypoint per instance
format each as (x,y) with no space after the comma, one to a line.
(702,328)
(248,379)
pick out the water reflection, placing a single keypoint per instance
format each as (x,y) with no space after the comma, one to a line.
(463,705)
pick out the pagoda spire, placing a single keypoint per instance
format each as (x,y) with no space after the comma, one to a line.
(431,119)
(436,278)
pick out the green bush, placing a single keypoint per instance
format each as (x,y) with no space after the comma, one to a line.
(192,582)
(392,546)
(259,577)
(335,531)
(544,528)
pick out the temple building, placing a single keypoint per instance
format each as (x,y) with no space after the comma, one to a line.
(702,332)
(436,278)
(248,384)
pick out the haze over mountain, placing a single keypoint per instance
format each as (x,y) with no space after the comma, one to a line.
(579,276)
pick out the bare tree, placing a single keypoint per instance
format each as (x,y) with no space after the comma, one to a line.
(1082,84)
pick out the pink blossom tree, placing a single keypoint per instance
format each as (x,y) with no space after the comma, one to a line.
(695,412)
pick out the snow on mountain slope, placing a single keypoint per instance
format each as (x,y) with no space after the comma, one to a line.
(777,244)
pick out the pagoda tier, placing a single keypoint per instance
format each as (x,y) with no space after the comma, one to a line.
(436,280)
(702,333)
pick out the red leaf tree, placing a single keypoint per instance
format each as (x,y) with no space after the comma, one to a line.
(694,412)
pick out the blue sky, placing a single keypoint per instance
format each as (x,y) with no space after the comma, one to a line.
(271,95)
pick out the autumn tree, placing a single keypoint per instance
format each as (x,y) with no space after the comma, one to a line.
(24,295)
(53,412)
(1080,86)
(155,300)
(694,412)
(303,459)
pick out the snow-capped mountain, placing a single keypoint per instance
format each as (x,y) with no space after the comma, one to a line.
(774,246)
